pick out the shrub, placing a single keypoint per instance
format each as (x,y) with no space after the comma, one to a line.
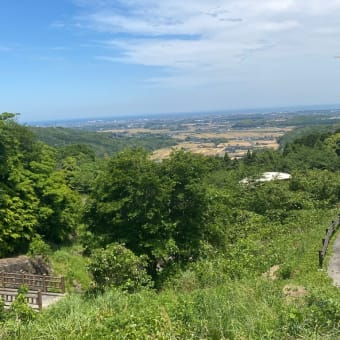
(39,247)
(285,271)
(20,310)
(117,266)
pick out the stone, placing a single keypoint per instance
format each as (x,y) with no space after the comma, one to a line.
(24,264)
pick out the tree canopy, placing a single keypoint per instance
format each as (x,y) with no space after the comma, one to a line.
(34,196)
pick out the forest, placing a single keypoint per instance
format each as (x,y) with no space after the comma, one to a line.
(177,249)
(104,143)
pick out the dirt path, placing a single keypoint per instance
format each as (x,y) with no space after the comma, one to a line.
(334,263)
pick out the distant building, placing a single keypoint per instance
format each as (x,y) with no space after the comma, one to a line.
(267,177)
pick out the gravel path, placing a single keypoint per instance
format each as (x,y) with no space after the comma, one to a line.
(334,263)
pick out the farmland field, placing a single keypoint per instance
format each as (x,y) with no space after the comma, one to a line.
(212,139)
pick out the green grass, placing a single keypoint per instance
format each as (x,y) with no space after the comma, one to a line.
(237,310)
(227,311)
(69,262)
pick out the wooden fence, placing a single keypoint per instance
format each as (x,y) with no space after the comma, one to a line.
(42,283)
(34,299)
(329,232)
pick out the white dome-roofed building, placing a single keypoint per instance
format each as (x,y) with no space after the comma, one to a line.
(267,177)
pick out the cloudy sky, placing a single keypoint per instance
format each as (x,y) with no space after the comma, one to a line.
(87,58)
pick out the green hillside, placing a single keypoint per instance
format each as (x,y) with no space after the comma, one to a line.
(103,143)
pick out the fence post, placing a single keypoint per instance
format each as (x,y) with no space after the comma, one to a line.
(44,284)
(62,284)
(320,258)
(329,233)
(39,299)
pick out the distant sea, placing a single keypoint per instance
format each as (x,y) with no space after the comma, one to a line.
(78,122)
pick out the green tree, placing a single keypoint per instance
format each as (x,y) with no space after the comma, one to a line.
(188,205)
(129,203)
(160,210)
(34,197)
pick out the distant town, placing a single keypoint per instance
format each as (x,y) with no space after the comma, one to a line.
(209,133)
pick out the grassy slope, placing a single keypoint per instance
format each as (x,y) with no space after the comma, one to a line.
(69,262)
(211,306)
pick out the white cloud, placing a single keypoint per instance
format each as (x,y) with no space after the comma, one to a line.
(5,49)
(201,40)
(278,26)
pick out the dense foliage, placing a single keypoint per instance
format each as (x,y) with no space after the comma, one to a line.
(156,209)
(117,266)
(35,198)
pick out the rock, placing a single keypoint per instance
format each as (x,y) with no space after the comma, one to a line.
(24,264)
(41,265)
(294,291)
(272,273)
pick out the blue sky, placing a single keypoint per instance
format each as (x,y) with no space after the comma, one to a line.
(86,58)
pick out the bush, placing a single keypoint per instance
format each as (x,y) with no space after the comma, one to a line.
(20,310)
(39,247)
(117,266)
(285,271)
